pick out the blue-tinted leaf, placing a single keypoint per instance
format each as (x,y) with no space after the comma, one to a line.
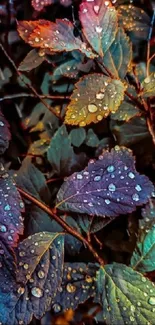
(109,186)
(5,135)
(77,286)
(40,266)
(90,224)
(92,139)
(11,206)
(125,295)
(66,69)
(77,136)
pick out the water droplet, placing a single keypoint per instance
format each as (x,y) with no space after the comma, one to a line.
(88,279)
(99,96)
(99,117)
(70,288)
(151,301)
(97,178)
(21,204)
(56,308)
(79,176)
(41,274)
(110,168)
(21,253)
(135,197)
(107,201)
(132,318)
(3,228)
(138,188)
(37,39)
(37,292)
(21,290)
(7,207)
(132,308)
(98,29)
(92,108)
(111,187)
(82,123)
(131,175)
(147,80)
(1,123)
(96,9)
(26,266)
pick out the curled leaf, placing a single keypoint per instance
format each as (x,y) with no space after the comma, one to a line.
(93,99)
(109,186)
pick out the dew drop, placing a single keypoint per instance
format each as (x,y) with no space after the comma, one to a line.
(1,123)
(135,197)
(7,207)
(22,253)
(98,29)
(110,168)
(21,290)
(97,178)
(138,188)
(79,176)
(70,288)
(82,123)
(99,96)
(3,228)
(21,204)
(99,117)
(112,187)
(56,308)
(132,318)
(151,301)
(147,80)
(26,266)
(107,201)
(41,274)
(92,108)
(131,175)
(37,40)
(96,9)
(37,292)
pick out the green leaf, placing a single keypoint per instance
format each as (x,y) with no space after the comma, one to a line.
(119,56)
(77,136)
(99,24)
(92,139)
(66,69)
(148,86)
(31,61)
(94,98)
(125,295)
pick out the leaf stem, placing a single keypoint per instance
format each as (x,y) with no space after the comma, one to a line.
(61,222)
(21,95)
(27,85)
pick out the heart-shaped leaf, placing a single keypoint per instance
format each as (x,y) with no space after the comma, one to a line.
(93,99)
(99,23)
(39,275)
(125,295)
(5,134)
(11,221)
(107,187)
(54,37)
(118,58)
(78,285)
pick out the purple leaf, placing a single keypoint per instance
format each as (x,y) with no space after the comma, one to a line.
(5,135)
(109,186)
(11,206)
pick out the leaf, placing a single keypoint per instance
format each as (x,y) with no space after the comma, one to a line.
(77,136)
(135,21)
(109,186)
(77,286)
(90,224)
(32,60)
(40,266)
(125,295)
(119,56)
(66,69)
(94,98)
(60,153)
(92,139)
(143,257)
(148,86)
(56,37)
(11,206)
(130,133)
(5,134)
(99,24)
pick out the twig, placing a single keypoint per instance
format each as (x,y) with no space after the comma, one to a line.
(151,130)
(61,222)
(148,45)
(21,95)
(27,85)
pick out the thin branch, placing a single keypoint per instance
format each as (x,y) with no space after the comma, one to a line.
(21,95)
(151,130)
(61,222)
(26,84)
(148,45)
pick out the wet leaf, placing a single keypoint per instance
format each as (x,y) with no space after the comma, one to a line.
(92,139)
(118,58)
(93,99)
(5,134)
(109,186)
(77,136)
(90,224)
(125,295)
(148,86)
(40,266)
(31,61)
(134,20)
(56,37)
(11,206)
(77,286)
(99,23)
